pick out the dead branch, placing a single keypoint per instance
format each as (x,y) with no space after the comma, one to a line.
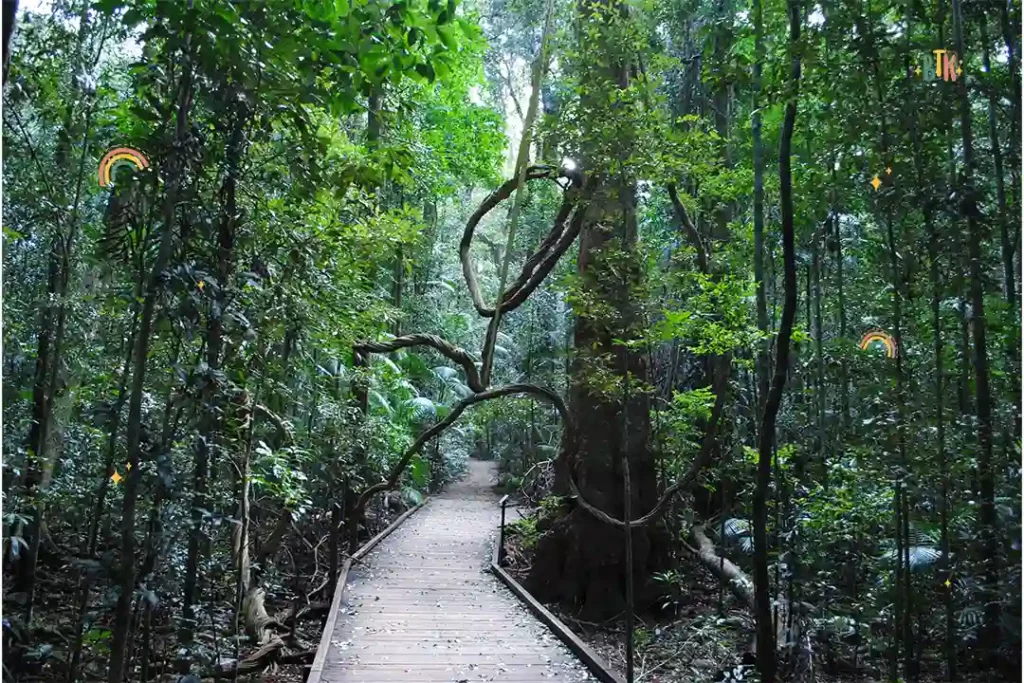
(261,659)
(313,610)
(257,622)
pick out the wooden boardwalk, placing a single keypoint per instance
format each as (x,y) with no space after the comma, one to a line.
(423,605)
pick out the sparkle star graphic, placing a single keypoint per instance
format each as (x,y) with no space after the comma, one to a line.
(959,71)
(201,285)
(876,182)
(128,466)
(917,71)
(947,583)
(116,478)
(888,170)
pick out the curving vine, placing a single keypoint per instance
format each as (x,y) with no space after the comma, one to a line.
(566,227)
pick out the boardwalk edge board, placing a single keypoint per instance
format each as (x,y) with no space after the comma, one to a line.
(316,670)
(597,666)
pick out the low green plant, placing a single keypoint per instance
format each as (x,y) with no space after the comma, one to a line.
(551,506)
(525,530)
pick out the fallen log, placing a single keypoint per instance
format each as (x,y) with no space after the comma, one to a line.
(257,621)
(733,577)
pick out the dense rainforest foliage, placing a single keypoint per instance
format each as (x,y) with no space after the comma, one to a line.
(224,370)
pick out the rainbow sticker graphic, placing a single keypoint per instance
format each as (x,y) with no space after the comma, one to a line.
(118,156)
(876,336)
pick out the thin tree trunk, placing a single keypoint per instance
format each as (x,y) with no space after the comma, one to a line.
(766,660)
(45,432)
(1005,245)
(762,303)
(210,422)
(819,359)
(522,160)
(10,12)
(989,546)
(175,171)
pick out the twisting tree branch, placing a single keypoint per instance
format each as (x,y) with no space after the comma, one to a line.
(449,351)
(536,268)
(534,271)
(548,249)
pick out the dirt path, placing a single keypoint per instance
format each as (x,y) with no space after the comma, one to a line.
(424,607)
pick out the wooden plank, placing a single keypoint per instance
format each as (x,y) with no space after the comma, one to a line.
(596,665)
(339,593)
(423,606)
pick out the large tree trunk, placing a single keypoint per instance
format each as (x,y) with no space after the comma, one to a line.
(582,560)
(10,11)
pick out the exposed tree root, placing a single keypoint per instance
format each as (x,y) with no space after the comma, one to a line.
(270,634)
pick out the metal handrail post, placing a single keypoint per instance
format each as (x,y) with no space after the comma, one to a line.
(501,535)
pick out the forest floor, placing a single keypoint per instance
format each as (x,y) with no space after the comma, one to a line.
(703,635)
(57,610)
(699,638)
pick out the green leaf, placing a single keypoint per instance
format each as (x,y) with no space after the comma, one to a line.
(419,470)
(426,71)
